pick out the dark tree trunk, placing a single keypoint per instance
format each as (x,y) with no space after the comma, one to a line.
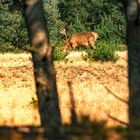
(43,64)
(133,42)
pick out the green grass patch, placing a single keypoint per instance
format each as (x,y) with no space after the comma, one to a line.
(12,49)
(59,53)
(104,52)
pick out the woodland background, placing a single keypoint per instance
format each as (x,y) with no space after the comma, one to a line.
(103,16)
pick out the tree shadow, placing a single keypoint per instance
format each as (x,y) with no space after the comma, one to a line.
(73,113)
(28,133)
(85,129)
(117,97)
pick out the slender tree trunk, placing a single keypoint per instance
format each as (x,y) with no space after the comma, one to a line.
(43,64)
(133,42)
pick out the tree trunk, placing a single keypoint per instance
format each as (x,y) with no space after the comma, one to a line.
(133,42)
(43,64)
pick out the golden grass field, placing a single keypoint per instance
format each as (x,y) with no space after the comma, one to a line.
(99,90)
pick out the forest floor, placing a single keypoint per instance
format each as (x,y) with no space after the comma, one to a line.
(97,90)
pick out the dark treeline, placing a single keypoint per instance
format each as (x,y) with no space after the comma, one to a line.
(103,16)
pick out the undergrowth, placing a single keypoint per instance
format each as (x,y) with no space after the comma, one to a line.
(105,51)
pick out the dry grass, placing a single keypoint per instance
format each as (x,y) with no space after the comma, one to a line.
(99,90)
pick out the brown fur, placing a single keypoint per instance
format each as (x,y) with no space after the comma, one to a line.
(87,39)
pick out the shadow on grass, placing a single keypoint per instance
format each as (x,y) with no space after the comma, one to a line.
(85,129)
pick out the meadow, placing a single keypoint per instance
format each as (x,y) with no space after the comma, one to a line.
(97,90)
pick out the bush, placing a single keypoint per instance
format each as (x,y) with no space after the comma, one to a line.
(54,22)
(58,52)
(111,27)
(104,52)
(106,30)
(12,27)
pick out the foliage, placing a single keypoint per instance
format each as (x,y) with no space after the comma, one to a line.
(59,53)
(12,27)
(75,17)
(112,23)
(103,16)
(103,52)
(53,17)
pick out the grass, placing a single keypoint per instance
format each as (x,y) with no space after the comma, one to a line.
(88,81)
(7,48)
(87,92)
(103,52)
(59,53)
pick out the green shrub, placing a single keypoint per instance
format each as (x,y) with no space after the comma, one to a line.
(52,16)
(12,27)
(58,52)
(104,52)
